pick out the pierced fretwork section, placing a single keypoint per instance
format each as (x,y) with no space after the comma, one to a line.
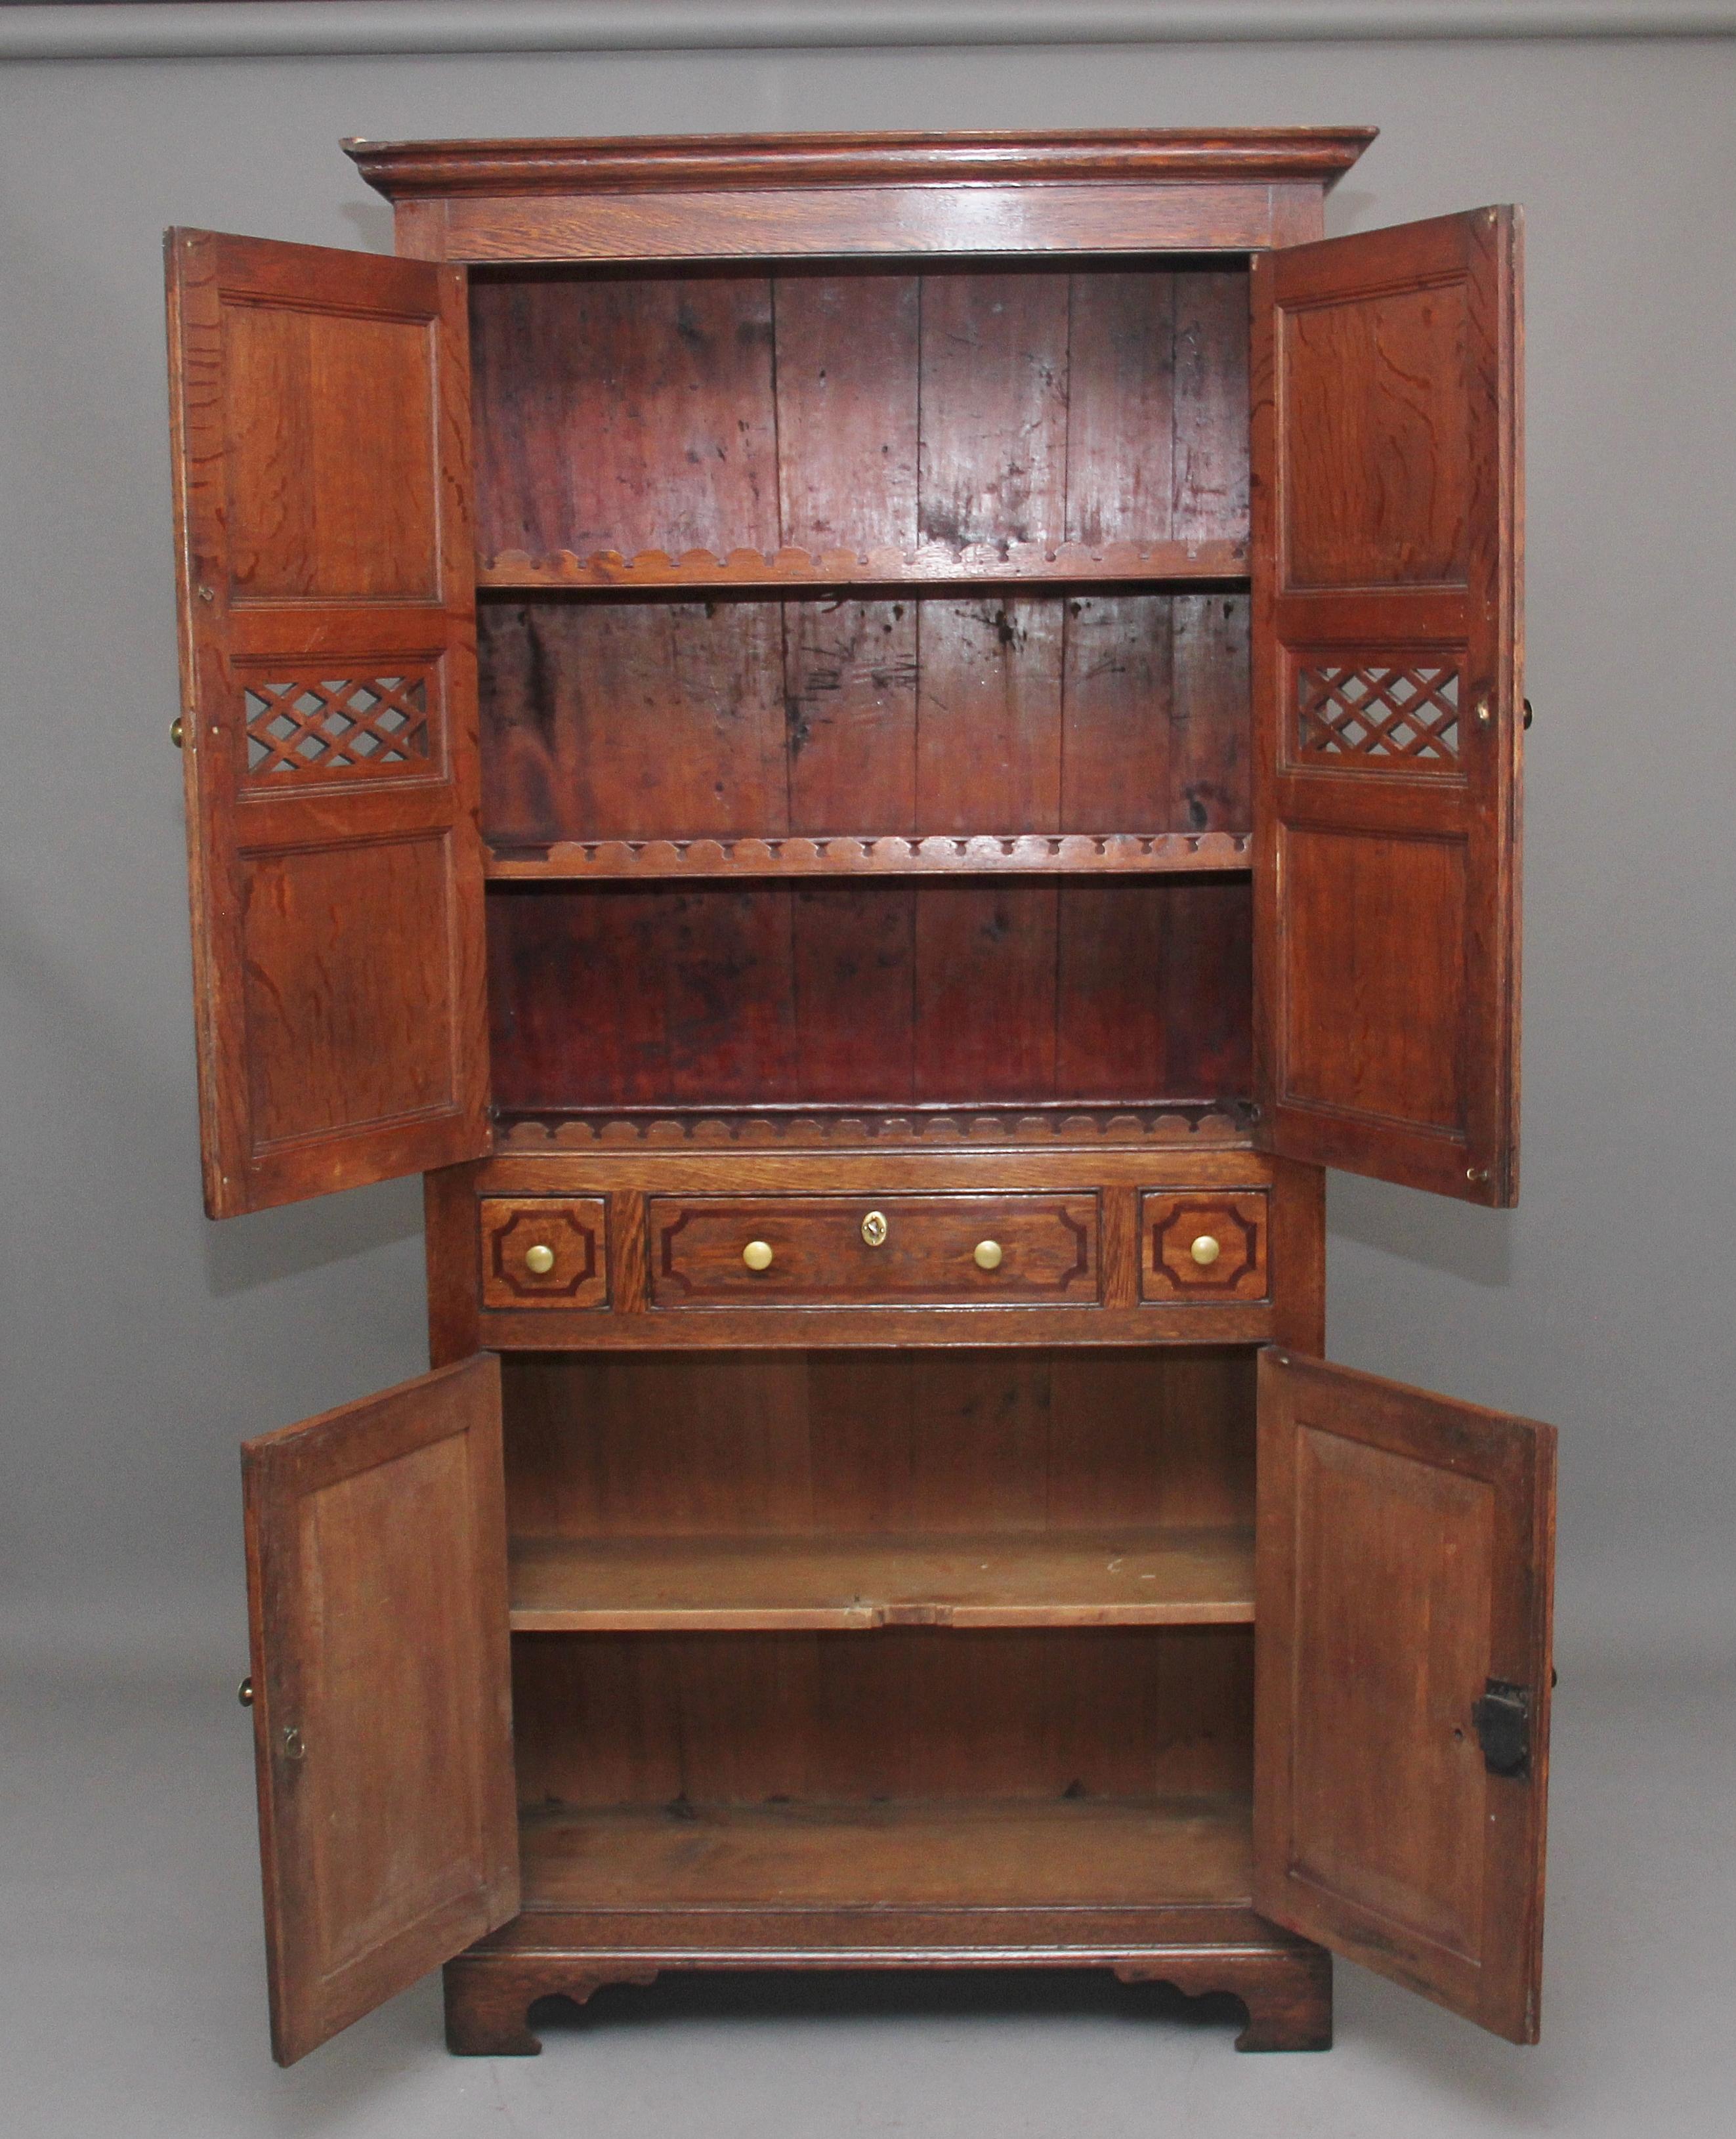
(1408,714)
(310,724)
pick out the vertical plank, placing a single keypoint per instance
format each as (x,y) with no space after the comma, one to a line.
(637,720)
(863,1432)
(850,710)
(1211,453)
(1117,717)
(994,409)
(1120,413)
(1210,717)
(853,985)
(725,971)
(991,944)
(981,1447)
(1113,1013)
(847,375)
(989,716)
(624,415)
(1207,982)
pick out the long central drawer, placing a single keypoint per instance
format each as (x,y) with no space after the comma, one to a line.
(865,1252)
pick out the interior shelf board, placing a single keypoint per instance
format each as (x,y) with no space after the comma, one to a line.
(1144,1577)
(930,564)
(1001,1852)
(887,854)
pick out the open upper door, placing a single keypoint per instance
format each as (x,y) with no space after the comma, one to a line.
(1403,1584)
(320,403)
(381,1707)
(1387,702)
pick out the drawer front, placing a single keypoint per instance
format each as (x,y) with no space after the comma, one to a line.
(865,1252)
(545,1251)
(1203,1246)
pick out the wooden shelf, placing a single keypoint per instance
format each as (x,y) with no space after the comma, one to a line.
(1132,1853)
(1071,854)
(1145,1578)
(933,566)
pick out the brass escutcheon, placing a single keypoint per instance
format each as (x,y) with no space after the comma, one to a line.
(873,1229)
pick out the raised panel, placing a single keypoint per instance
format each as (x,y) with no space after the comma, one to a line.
(351,1021)
(377,1591)
(1377,480)
(1404,1569)
(1380,923)
(331,488)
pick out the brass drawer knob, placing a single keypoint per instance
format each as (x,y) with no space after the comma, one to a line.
(987,1255)
(244,1692)
(178,731)
(873,1229)
(539,1260)
(757,1254)
(1205,1251)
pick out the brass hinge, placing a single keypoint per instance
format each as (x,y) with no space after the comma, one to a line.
(1502,1718)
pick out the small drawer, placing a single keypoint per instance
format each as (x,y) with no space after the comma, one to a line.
(868,1251)
(1203,1246)
(544,1252)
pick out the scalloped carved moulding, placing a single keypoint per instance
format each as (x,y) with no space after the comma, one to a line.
(1192,1121)
(892,855)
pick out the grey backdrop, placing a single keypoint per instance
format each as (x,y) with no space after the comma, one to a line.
(140,1343)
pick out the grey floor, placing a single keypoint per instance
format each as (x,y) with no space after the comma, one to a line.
(133,1997)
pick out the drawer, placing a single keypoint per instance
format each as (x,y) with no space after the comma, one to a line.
(866,1251)
(545,1251)
(1203,1246)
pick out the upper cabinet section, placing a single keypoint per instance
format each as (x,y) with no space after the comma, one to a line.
(320,403)
(744,429)
(795,416)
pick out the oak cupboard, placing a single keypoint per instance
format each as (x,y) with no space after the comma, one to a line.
(869,751)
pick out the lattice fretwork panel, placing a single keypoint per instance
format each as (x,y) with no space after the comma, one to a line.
(1405,715)
(370,724)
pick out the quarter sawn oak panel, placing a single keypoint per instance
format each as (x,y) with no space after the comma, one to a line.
(383,1732)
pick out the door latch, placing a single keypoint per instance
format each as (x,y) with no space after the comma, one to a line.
(1503,1720)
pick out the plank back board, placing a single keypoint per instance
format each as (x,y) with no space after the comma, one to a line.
(377,1590)
(320,403)
(1388,701)
(1404,1575)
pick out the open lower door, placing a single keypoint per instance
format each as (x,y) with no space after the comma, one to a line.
(1404,1569)
(320,412)
(1387,702)
(382,1705)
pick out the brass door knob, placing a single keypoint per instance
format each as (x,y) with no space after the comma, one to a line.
(539,1260)
(987,1255)
(1205,1251)
(873,1229)
(177,732)
(244,1692)
(757,1254)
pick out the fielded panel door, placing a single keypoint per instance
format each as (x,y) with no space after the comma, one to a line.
(382,1705)
(1403,1585)
(320,404)
(1388,517)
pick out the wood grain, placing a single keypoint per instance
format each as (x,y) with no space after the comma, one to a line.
(1076,1579)
(1405,1562)
(376,1597)
(320,446)
(1387,437)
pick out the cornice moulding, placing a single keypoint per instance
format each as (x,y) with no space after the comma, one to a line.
(206,29)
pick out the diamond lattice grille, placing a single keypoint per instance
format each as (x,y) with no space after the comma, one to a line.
(366,724)
(1406,715)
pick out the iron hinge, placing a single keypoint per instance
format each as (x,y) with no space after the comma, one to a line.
(1502,1718)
